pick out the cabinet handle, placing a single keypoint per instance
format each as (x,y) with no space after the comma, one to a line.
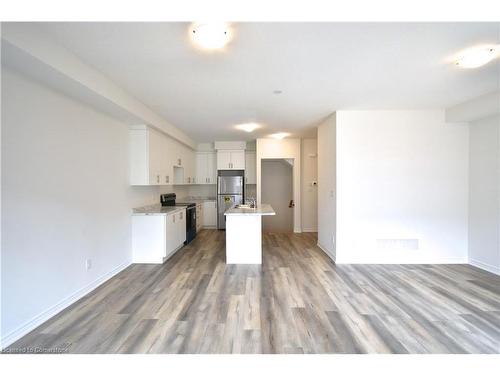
(194,180)
(158,179)
(168,178)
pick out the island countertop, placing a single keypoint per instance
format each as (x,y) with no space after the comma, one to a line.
(261,210)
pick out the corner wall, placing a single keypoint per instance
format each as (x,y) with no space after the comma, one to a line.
(399,180)
(65,198)
(484,194)
(327,190)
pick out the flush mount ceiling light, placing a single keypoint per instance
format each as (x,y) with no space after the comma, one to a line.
(210,35)
(249,127)
(474,58)
(279,135)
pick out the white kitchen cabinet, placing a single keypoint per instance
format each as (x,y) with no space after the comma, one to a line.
(153,156)
(250,167)
(209,214)
(205,168)
(149,238)
(167,161)
(185,159)
(230,159)
(156,237)
(172,236)
(146,156)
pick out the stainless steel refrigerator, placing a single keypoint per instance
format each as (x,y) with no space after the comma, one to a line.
(230,191)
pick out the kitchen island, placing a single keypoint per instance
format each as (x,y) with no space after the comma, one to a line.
(244,234)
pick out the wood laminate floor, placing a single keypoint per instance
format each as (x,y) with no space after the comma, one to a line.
(298,301)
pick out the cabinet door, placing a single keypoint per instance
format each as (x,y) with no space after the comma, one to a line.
(250,168)
(139,157)
(211,174)
(201,168)
(172,235)
(177,149)
(223,159)
(181,227)
(238,159)
(209,214)
(169,161)
(191,165)
(155,157)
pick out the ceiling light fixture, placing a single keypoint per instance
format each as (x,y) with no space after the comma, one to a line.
(279,135)
(249,127)
(477,57)
(210,35)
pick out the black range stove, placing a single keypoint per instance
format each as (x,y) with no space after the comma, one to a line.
(169,200)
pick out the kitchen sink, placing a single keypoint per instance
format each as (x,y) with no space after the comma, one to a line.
(243,206)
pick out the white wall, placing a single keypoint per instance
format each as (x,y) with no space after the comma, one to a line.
(401,175)
(267,148)
(65,199)
(327,169)
(309,196)
(484,186)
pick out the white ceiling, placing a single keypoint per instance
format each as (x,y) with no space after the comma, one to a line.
(320,67)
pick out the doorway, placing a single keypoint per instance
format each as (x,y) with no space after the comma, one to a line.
(277,190)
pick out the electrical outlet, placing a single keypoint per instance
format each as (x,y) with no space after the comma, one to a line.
(88,264)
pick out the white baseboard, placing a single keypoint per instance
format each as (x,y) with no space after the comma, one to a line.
(309,230)
(41,318)
(485,266)
(402,261)
(330,255)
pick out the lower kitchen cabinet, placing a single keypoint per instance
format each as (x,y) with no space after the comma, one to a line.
(209,214)
(156,237)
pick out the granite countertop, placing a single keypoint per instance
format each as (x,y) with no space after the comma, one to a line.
(156,209)
(261,210)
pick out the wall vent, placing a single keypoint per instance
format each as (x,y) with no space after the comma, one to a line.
(397,244)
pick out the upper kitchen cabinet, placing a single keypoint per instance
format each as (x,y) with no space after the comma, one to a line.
(250,167)
(205,168)
(156,159)
(147,160)
(230,159)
